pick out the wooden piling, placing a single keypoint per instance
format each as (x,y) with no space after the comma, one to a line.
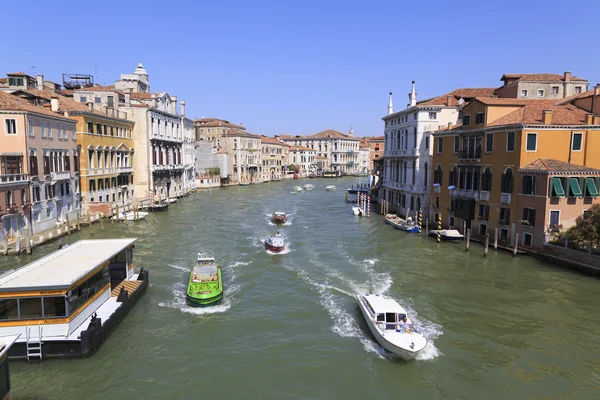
(116,216)
(464,228)
(101,221)
(487,244)
(496,239)
(112,220)
(426,226)
(27,241)
(125,214)
(91,227)
(468,239)
(439,229)
(68,226)
(78,223)
(516,245)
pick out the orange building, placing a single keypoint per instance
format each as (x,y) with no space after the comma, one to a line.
(375,145)
(524,167)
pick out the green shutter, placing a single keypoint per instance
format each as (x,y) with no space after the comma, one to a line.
(557,187)
(575,188)
(590,185)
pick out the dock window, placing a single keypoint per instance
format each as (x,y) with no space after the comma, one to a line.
(30,307)
(54,307)
(80,295)
(9,309)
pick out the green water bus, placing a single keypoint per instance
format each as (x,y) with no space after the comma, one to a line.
(206,282)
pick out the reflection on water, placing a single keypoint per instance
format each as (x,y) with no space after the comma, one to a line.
(289,326)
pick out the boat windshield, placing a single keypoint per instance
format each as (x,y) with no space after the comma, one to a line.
(204,273)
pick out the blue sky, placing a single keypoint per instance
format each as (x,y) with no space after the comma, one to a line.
(302,66)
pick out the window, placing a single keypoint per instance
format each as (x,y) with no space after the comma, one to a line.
(110,100)
(484,212)
(437,203)
(98,129)
(557,188)
(437,175)
(97,100)
(83,99)
(467,120)
(479,117)
(432,115)
(8,309)
(440,146)
(510,141)
(73,133)
(427,142)
(54,307)
(451,222)
(576,141)
(30,127)
(527,239)
(504,234)
(486,179)
(43,129)
(554,89)
(30,308)
(524,93)
(531,142)
(540,93)
(554,219)
(574,188)
(482,229)
(504,216)
(528,217)
(489,142)
(529,184)
(577,89)
(49,127)
(10,126)
(456,144)
(506,184)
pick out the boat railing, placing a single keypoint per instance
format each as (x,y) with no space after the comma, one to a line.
(399,326)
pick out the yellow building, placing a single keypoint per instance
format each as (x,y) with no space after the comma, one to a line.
(488,171)
(105,140)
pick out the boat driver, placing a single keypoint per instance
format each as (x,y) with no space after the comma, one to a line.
(405,324)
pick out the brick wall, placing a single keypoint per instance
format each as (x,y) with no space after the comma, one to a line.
(572,256)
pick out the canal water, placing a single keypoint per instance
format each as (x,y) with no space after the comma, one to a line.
(289,326)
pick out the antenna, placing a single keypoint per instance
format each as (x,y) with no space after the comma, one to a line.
(96,73)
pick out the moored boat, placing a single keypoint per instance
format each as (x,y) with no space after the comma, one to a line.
(308,186)
(408,226)
(448,235)
(394,220)
(390,325)
(297,189)
(205,285)
(275,243)
(279,217)
(358,211)
(330,188)
(65,304)
(131,216)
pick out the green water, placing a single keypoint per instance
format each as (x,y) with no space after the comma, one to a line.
(499,327)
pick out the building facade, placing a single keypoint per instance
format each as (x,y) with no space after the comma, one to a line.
(189,154)
(340,149)
(274,158)
(305,159)
(245,156)
(39,161)
(407,153)
(520,166)
(541,86)
(376,147)
(214,129)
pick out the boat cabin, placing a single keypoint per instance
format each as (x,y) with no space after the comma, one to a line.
(279,214)
(386,312)
(205,273)
(277,240)
(51,298)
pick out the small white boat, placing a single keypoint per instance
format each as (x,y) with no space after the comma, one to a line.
(330,188)
(297,189)
(408,226)
(308,186)
(448,235)
(172,200)
(394,220)
(275,243)
(130,216)
(358,211)
(390,325)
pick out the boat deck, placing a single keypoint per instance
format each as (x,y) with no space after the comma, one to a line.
(130,286)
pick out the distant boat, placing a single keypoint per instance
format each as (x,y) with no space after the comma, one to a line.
(131,216)
(330,188)
(279,217)
(275,243)
(394,220)
(309,186)
(206,282)
(244,184)
(358,211)
(297,189)
(448,235)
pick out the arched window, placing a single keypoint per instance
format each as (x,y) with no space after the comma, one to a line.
(8,199)
(437,175)
(23,198)
(486,179)
(506,184)
(453,181)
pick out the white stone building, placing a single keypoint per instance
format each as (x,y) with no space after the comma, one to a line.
(305,158)
(244,159)
(274,158)
(407,149)
(189,154)
(340,149)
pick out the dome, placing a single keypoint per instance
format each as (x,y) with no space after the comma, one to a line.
(140,70)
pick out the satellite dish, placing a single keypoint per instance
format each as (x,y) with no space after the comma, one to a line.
(461,101)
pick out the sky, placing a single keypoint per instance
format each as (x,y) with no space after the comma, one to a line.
(301,67)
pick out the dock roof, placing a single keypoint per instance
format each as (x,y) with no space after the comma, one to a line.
(63,268)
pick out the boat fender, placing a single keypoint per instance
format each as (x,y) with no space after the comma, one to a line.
(412,345)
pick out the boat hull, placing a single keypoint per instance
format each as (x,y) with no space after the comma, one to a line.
(274,249)
(279,220)
(399,351)
(199,302)
(446,238)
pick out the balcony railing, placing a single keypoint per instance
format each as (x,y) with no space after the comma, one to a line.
(123,170)
(437,189)
(505,198)
(467,193)
(60,176)
(470,155)
(484,195)
(14,179)
(452,192)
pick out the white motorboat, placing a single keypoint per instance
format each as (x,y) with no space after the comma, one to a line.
(172,200)
(448,235)
(408,226)
(385,318)
(394,220)
(308,186)
(297,189)
(130,216)
(358,211)
(275,244)
(330,188)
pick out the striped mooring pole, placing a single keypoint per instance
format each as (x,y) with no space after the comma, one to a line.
(368,205)
(420,221)
(439,232)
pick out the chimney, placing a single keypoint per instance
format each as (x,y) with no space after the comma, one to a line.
(589,119)
(90,106)
(567,77)
(449,100)
(183,108)
(449,125)
(174,105)
(66,114)
(596,120)
(597,89)
(547,117)
(54,103)
(40,82)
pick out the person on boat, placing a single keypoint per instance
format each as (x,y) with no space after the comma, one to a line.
(278,233)
(405,324)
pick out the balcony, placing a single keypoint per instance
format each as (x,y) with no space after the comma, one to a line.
(474,155)
(124,170)
(437,188)
(484,195)
(452,192)
(505,198)
(60,176)
(14,179)
(467,193)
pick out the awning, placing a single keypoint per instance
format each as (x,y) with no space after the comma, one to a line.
(591,188)
(557,187)
(575,188)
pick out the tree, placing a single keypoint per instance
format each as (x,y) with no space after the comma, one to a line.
(586,231)
(214,171)
(293,168)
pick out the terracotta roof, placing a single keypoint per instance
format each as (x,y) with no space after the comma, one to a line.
(266,139)
(234,133)
(17,73)
(215,122)
(506,101)
(139,95)
(540,77)
(3,80)
(583,95)
(97,89)
(9,102)
(301,148)
(551,165)
(457,94)
(532,112)
(332,133)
